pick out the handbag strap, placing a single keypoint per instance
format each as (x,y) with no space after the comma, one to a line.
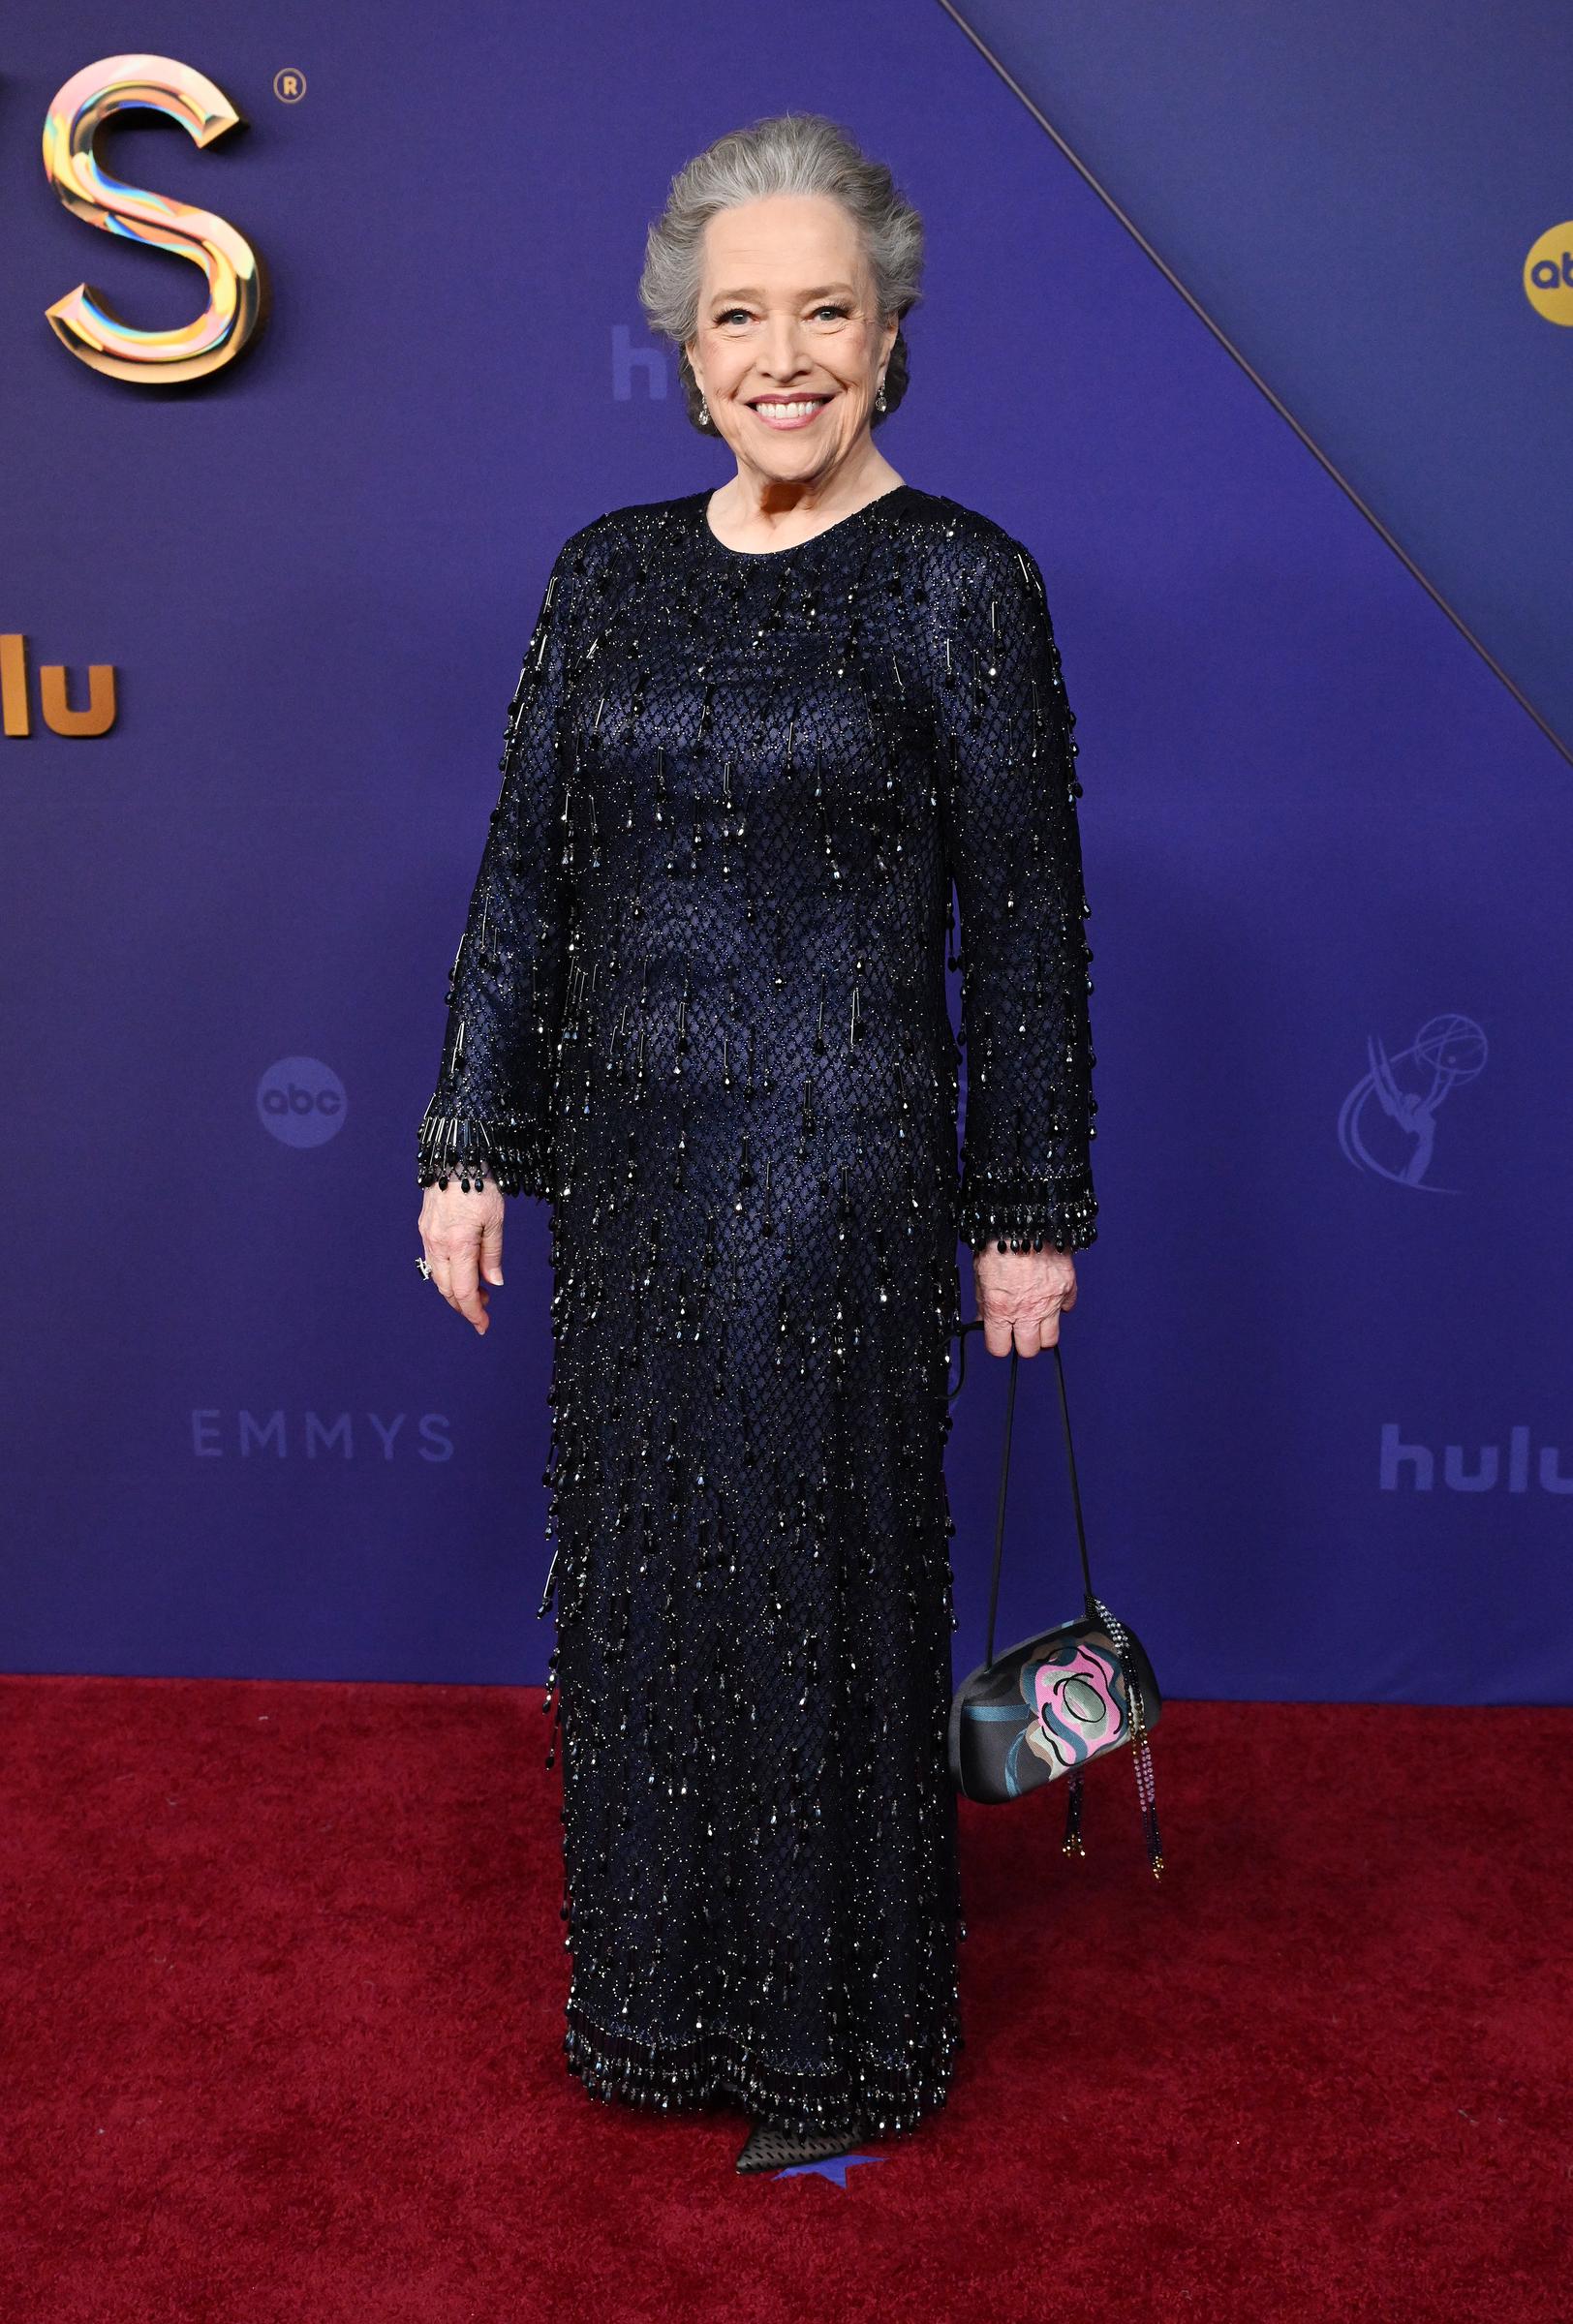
(1090,1596)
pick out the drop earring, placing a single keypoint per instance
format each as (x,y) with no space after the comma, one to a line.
(704,412)
(879,397)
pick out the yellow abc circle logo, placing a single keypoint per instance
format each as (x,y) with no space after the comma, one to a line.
(1548,274)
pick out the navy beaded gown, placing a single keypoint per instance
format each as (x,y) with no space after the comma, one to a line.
(700,1007)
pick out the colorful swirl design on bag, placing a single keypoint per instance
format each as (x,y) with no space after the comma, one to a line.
(1077,1699)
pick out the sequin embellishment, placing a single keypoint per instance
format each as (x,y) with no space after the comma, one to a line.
(698,1006)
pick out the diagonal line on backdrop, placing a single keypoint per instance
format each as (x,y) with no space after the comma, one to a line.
(1255,378)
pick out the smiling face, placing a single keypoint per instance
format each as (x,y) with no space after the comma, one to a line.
(788,349)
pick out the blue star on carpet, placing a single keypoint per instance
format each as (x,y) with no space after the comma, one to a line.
(834,2167)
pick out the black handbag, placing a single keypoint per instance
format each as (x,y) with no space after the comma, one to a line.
(1054,1703)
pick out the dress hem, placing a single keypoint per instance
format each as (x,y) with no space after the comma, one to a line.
(723,2066)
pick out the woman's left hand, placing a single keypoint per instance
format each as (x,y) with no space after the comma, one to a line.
(1021,1296)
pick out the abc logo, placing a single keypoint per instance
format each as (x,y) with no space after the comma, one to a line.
(301,1101)
(1548,274)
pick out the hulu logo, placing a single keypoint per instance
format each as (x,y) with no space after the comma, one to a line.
(1483,1470)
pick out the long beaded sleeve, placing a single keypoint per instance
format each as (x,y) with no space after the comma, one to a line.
(1014,847)
(489,1114)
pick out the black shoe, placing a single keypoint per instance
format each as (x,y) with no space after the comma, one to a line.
(767,2149)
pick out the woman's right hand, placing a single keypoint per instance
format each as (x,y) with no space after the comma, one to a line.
(463,1236)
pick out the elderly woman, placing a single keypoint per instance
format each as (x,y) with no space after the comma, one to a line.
(760,733)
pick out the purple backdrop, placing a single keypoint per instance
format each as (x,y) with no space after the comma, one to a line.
(1318,1366)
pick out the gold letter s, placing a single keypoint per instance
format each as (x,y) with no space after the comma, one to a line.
(234,282)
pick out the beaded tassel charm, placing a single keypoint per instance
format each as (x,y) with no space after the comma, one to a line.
(1141,1749)
(1072,1842)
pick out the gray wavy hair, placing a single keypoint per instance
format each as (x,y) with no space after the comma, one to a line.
(789,153)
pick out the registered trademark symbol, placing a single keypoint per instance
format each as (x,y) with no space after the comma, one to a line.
(288,85)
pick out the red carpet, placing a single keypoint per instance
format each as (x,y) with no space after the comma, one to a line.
(284,1976)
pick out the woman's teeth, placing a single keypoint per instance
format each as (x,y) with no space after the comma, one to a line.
(784,414)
